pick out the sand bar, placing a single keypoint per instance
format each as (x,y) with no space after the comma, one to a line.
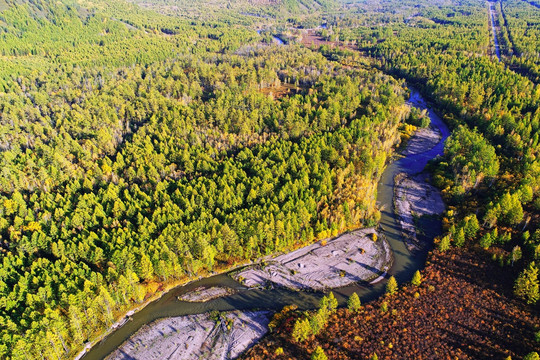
(195,337)
(423,140)
(203,294)
(349,258)
(414,197)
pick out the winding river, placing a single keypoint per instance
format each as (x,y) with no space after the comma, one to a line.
(405,263)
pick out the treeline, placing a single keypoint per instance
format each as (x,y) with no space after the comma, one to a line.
(244,11)
(38,36)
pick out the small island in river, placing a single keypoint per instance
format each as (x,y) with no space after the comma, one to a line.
(203,294)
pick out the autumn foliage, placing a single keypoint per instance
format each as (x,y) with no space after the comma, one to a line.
(459,312)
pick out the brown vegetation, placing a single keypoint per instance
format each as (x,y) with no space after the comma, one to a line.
(462,310)
(278,92)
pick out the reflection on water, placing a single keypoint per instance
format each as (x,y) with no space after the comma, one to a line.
(405,264)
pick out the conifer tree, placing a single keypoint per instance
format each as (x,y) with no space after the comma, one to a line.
(319,354)
(391,286)
(417,278)
(527,285)
(353,303)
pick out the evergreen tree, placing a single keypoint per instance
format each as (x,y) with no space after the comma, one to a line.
(318,321)
(486,241)
(417,278)
(353,303)
(391,286)
(444,243)
(459,237)
(301,330)
(319,354)
(471,227)
(147,269)
(332,302)
(527,284)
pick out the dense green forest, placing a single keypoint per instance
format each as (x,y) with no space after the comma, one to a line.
(124,169)
(145,143)
(522,24)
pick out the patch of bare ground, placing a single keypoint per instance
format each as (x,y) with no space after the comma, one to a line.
(310,37)
(423,140)
(278,92)
(349,258)
(203,294)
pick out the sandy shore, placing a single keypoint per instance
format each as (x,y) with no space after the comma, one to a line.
(203,294)
(422,141)
(195,337)
(349,258)
(414,197)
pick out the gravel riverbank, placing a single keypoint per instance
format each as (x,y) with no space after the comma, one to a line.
(196,337)
(351,257)
(415,198)
(423,140)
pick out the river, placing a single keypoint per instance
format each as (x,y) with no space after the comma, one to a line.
(275,39)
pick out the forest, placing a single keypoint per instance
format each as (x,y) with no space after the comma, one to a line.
(124,170)
(148,143)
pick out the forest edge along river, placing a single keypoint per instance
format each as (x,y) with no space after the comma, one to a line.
(244,299)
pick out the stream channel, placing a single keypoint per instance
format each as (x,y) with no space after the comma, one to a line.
(405,263)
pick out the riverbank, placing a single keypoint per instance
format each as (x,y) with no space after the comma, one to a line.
(358,256)
(150,299)
(423,140)
(204,336)
(415,198)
